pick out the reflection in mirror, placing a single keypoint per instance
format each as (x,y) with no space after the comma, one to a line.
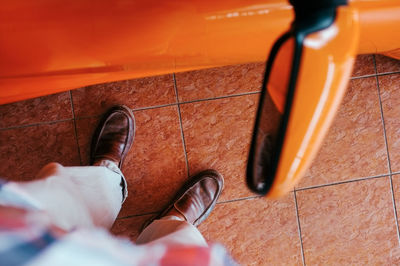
(267,148)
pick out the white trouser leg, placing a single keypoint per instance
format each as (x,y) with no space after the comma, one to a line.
(169,230)
(73,197)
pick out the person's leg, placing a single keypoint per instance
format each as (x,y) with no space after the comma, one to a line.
(170,230)
(74,196)
(90,195)
(192,205)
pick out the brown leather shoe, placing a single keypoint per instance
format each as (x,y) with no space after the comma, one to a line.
(197,198)
(114,136)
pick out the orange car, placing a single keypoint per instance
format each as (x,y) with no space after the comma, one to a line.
(49,46)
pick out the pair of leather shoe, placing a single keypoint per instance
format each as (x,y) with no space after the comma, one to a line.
(112,141)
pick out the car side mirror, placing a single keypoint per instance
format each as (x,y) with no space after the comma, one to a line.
(305,79)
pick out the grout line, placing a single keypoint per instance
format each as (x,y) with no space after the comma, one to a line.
(343,182)
(239,199)
(136,215)
(153,107)
(36,124)
(75,130)
(388,73)
(173,104)
(132,109)
(87,116)
(364,76)
(221,97)
(382,118)
(181,126)
(394,208)
(299,228)
(375,75)
(387,153)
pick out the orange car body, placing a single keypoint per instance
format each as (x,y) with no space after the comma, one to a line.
(47,46)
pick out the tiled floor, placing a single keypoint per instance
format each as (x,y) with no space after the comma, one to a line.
(342,212)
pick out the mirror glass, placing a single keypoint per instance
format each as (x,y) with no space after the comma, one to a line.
(267,148)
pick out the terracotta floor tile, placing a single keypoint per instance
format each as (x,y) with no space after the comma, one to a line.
(136,93)
(355,145)
(214,82)
(24,151)
(41,109)
(364,65)
(85,128)
(155,168)
(390,93)
(349,224)
(257,231)
(386,64)
(129,227)
(396,190)
(217,135)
